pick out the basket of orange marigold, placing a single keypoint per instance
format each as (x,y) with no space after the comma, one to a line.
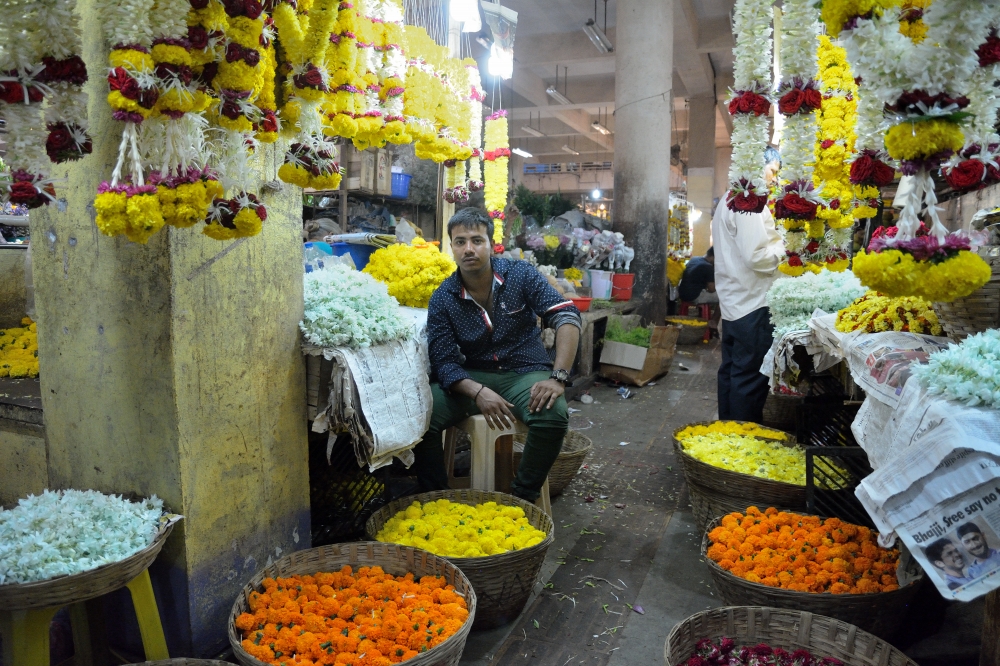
(807,563)
(355,604)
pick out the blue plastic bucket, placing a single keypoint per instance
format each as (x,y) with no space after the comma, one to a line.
(360,253)
(401,185)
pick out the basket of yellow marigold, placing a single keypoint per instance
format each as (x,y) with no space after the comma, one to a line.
(824,566)
(730,465)
(498,541)
(365,603)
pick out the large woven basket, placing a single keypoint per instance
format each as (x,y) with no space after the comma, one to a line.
(691,334)
(575,448)
(182,661)
(978,312)
(393,558)
(879,613)
(716,491)
(781,628)
(502,582)
(66,590)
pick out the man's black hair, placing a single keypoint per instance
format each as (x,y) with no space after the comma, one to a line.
(471,218)
(771,154)
(710,252)
(935,550)
(968,528)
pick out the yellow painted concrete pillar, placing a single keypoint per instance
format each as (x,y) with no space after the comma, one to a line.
(174,368)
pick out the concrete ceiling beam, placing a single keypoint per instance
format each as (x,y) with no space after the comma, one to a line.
(532,87)
(561,48)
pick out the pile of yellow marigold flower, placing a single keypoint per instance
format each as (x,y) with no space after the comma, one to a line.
(874,313)
(746,448)
(451,529)
(19,350)
(803,553)
(411,272)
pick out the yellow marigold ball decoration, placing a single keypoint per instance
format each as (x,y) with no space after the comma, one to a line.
(19,350)
(835,138)
(865,193)
(675,270)
(917,140)
(187,204)
(411,272)
(897,273)
(138,217)
(450,529)
(875,313)
(835,13)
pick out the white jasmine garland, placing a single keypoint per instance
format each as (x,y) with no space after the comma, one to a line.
(126,21)
(67,532)
(752,53)
(347,308)
(871,123)
(798,141)
(968,372)
(799,32)
(793,300)
(749,141)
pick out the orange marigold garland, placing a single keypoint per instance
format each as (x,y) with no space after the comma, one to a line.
(370,618)
(803,553)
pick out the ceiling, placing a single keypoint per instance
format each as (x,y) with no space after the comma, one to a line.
(550,43)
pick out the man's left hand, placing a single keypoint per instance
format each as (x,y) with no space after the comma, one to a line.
(544,395)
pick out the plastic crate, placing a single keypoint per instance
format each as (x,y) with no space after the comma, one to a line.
(342,494)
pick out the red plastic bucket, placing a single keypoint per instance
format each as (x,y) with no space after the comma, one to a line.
(621,286)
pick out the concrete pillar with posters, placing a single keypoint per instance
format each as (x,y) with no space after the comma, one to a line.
(643,82)
(701,169)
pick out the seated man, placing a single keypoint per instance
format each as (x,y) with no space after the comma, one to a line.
(698,285)
(487,355)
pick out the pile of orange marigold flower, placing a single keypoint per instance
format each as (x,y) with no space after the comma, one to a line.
(369,619)
(803,553)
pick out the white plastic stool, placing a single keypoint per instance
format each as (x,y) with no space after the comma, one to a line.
(487,446)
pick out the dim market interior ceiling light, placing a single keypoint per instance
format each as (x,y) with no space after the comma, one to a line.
(596,194)
(600,128)
(597,36)
(522,153)
(557,96)
(695,214)
(501,62)
(464,10)
(531,130)
(567,149)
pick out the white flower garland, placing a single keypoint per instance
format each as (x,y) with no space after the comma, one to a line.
(751,72)
(799,41)
(792,300)
(60,533)
(968,372)
(475,171)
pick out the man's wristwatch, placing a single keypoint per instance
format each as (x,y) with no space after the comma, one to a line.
(561,376)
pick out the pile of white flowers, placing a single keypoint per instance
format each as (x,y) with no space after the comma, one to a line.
(793,300)
(71,531)
(347,308)
(967,372)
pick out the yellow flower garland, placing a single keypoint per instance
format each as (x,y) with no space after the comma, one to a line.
(450,529)
(874,313)
(411,272)
(835,140)
(920,140)
(496,171)
(897,273)
(835,13)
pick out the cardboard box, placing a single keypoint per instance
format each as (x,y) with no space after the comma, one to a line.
(383,172)
(636,365)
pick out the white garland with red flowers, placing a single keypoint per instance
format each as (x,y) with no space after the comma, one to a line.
(750,104)
(476,95)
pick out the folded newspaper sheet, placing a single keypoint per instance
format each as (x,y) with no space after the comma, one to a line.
(781,368)
(939,490)
(880,362)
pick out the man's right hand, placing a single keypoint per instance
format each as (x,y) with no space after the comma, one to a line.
(495,409)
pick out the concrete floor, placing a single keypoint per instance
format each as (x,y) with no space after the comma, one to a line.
(625,540)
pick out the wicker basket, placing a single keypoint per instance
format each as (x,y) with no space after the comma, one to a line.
(716,491)
(689,335)
(183,661)
(978,312)
(788,629)
(575,449)
(502,582)
(394,559)
(67,590)
(879,613)
(780,411)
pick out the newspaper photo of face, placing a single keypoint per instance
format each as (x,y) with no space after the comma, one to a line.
(947,557)
(982,558)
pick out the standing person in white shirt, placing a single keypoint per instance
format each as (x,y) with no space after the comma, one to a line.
(748,250)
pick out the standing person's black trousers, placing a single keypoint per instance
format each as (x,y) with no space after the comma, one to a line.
(742,389)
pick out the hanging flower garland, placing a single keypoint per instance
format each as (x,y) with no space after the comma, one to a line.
(368,113)
(497,156)
(750,105)
(476,96)
(392,71)
(834,146)
(927,105)
(455,190)
(267,125)
(39,59)
(976,165)
(798,203)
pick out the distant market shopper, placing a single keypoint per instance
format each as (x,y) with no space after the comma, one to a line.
(698,285)
(748,250)
(487,355)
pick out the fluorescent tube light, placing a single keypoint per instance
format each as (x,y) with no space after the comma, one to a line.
(600,128)
(531,130)
(567,149)
(522,153)
(557,96)
(597,37)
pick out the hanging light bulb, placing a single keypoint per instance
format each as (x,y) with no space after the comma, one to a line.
(473,24)
(501,62)
(596,194)
(464,10)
